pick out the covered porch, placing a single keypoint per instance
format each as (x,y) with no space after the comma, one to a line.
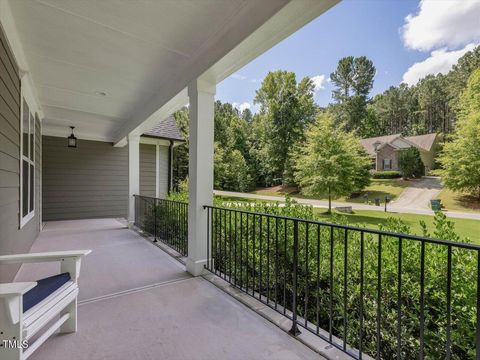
(137,302)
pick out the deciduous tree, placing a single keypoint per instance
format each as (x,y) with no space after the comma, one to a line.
(332,162)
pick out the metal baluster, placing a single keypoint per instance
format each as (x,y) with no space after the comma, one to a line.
(399,300)
(260,260)
(241,250)
(318,279)
(294,329)
(235,251)
(208,240)
(276,263)
(246,256)
(330,306)
(306,275)
(217,242)
(254,268)
(285,265)
(230,245)
(345,269)
(362,249)
(225,244)
(449,303)
(379,295)
(268,260)
(155,221)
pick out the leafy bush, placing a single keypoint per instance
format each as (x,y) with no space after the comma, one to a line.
(390,174)
(410,163)
(257,252)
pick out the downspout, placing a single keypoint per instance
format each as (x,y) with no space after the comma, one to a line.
(170,166)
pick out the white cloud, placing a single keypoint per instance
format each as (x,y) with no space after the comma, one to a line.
(238,76)
(446,23)
(440,61)
(319,82)
(242,106)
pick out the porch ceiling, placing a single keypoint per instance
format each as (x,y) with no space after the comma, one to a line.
(126,49)
(141,54)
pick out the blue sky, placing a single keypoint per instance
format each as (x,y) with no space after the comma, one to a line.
(373,28)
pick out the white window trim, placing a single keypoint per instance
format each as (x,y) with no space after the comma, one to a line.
(25,219)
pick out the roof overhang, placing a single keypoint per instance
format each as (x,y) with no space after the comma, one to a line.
(114,68)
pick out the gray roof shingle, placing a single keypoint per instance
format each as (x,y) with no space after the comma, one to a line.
(424,142)
(166,129)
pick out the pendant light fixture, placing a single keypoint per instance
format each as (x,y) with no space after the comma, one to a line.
(72,140)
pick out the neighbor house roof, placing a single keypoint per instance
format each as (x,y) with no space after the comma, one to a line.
(424,142)
(166,129)
(368,144)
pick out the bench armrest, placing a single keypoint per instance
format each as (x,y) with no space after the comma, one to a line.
(11,295)
(16,288)
(43,257)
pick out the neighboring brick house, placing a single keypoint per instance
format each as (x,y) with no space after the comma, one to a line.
(383,150)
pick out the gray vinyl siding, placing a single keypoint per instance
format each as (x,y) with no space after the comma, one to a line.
(148,170)
(13,240)
(90,181)
(163,173)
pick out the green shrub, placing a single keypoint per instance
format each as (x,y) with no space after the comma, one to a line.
(410,163)
(241,243)
(389,174)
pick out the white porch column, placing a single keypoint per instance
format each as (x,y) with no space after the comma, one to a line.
(133,174)
(200,171)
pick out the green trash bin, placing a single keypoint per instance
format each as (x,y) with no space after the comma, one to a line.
(436,205)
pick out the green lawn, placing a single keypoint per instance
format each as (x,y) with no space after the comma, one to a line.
(379,188)
(455,201)
(372,219)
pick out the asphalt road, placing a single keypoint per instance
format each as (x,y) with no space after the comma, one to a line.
(414,200)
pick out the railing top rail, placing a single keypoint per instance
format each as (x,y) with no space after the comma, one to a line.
(357,228)
(155,198)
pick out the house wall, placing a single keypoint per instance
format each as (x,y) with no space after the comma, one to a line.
(148,174)
(148,170)
(90,181)
(428,157)
(13,239)
(387,152)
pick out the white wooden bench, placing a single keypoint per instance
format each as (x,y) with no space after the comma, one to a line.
(16,326)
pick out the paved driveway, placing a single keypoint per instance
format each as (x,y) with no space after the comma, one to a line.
(418,194)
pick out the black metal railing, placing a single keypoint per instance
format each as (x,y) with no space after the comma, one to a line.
(165,220)
(367,292)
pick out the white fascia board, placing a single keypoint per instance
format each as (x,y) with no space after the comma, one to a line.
(154,141)
(219,58)
(7,22)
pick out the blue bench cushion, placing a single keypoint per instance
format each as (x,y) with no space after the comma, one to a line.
(44,288)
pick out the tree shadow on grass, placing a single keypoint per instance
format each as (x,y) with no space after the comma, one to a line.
(356,220)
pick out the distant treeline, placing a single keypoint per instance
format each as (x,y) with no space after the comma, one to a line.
(259,149)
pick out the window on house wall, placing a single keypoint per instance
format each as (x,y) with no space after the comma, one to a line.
(387,164)
(27,168)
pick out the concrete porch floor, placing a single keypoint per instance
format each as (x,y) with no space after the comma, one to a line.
(137,302)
